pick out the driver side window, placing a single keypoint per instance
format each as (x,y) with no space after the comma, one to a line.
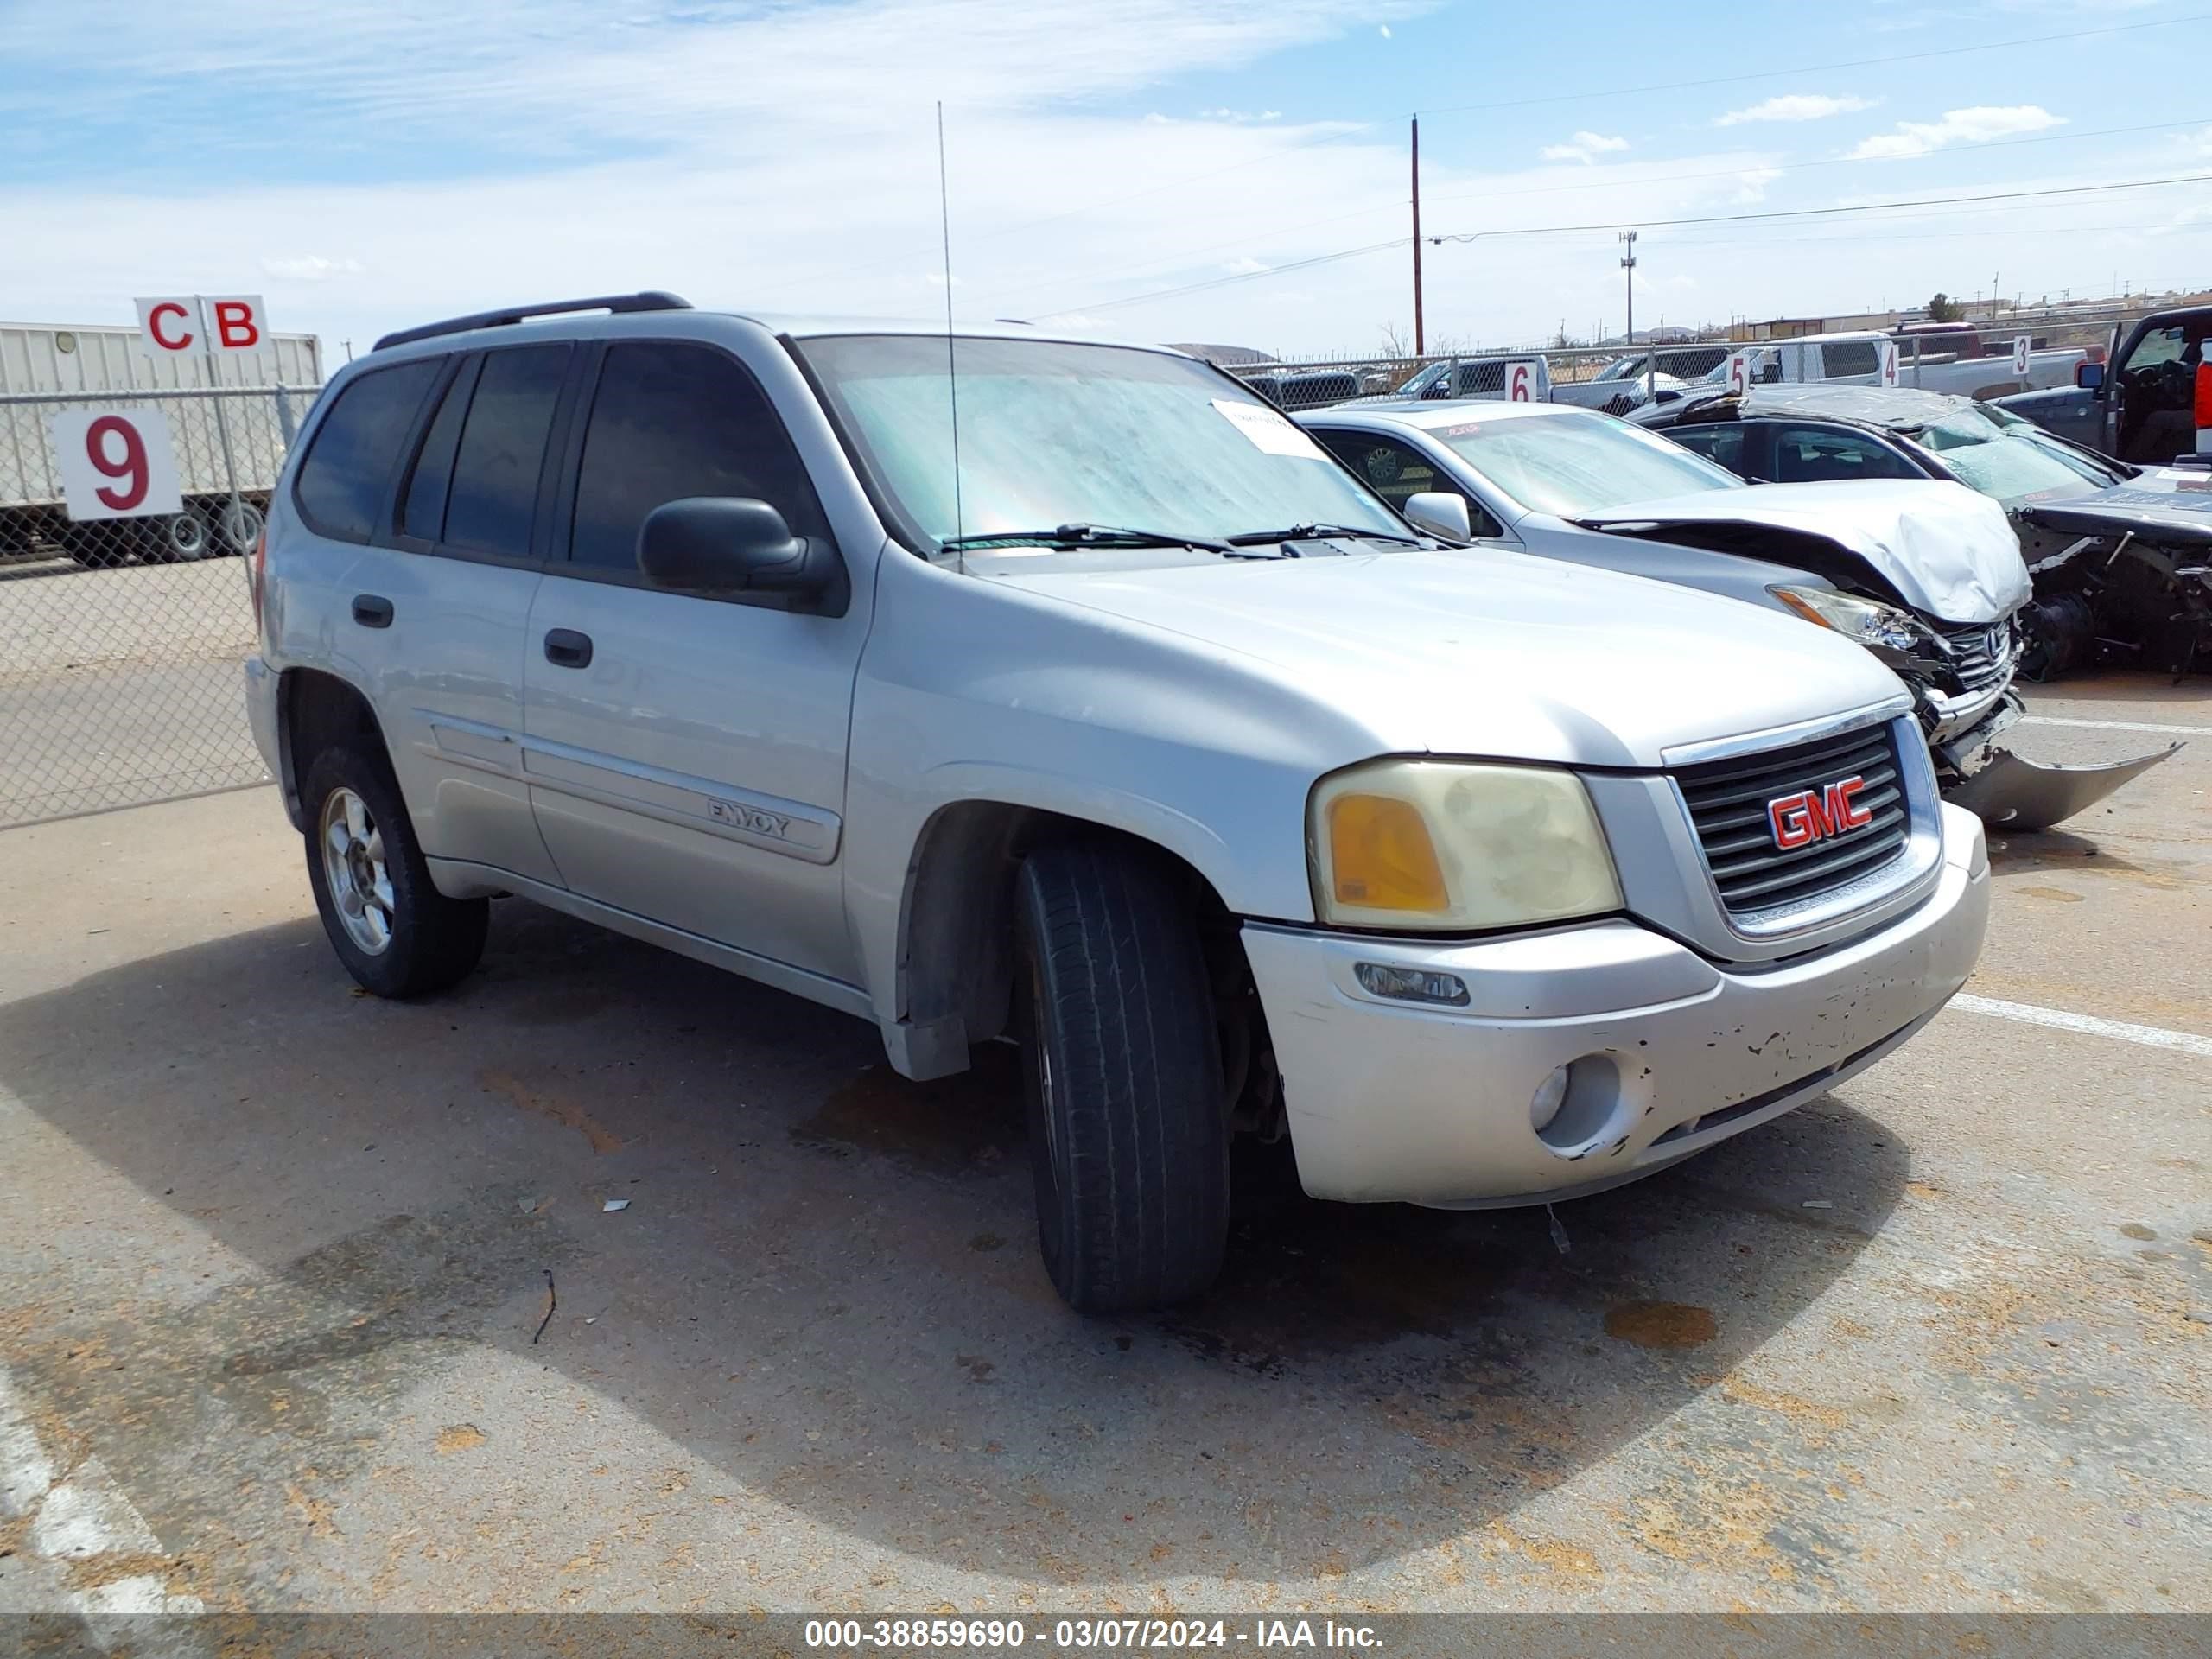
(670,420)
(1396,471)
(1804,454)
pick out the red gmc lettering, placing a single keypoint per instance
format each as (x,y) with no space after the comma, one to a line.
(167,308)
(1812,814)
(235,327)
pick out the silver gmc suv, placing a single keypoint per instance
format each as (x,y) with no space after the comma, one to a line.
(1113,716)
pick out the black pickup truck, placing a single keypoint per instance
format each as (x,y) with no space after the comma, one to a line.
(2140,403)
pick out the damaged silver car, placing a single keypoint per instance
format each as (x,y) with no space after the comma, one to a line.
(1926,575)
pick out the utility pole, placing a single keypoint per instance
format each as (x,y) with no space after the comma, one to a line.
(1628,264)
(1421,341)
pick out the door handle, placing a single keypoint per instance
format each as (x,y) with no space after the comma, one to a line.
(372,610)
(566,648)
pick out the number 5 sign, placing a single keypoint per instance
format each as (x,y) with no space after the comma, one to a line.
(116,463)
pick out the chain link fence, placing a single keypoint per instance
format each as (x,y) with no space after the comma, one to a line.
(120,638)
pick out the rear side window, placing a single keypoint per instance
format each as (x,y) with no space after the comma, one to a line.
(502,448)
(342,483)
(422,514)
(669,421)
(1722,443)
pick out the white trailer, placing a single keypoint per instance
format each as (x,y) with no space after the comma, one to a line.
(231,417)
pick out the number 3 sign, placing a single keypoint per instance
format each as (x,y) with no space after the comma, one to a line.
(116,463)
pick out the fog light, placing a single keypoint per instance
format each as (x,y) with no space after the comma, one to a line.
(1550,1096)
(1411,984)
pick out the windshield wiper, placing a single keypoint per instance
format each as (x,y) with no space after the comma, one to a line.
(1086,535)
(1308,532)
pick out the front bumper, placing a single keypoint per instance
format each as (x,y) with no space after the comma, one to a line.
(1674,1053)
(2004,789)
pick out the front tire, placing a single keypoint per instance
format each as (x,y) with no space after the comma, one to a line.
(1128,1131)
(396,934)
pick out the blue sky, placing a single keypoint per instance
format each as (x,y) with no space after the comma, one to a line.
(1146,167)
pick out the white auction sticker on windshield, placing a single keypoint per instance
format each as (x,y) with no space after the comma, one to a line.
(1269,430)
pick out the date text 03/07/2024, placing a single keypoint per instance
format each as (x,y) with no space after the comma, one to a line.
(1083,1634)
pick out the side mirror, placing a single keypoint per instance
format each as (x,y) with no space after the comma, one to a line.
(718,546)
(2089,376)
(1440,513)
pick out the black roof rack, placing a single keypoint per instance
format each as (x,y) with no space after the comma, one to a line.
(652,300)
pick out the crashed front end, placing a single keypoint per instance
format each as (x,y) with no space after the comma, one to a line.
(2124,574)
(1933,586)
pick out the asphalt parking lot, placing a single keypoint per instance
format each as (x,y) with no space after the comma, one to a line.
(274,1256)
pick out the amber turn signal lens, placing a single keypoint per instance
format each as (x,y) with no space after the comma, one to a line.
(1382,857)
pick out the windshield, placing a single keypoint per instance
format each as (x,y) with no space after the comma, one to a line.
(1053,433)
(1985,455)
(1572,463)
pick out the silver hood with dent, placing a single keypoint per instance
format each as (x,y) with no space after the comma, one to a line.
(1948,551)
(1483,653)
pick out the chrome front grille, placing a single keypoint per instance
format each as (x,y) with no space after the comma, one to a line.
(1730,803)
(1983,655)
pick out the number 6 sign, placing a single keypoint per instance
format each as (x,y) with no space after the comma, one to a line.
(116,463)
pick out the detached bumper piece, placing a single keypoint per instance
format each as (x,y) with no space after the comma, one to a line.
(2005,791)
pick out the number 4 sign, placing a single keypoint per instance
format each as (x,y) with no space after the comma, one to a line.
(116,463)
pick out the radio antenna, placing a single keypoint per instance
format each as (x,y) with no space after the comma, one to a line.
(951,364)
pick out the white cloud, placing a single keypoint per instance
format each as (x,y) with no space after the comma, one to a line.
(1979,125)
(1384,30)
(1240,117)
(1796,106)
(1754,182)
(310,268)
(1247,266)
(1583,147)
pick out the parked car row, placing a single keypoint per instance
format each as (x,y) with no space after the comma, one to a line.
(1498,801)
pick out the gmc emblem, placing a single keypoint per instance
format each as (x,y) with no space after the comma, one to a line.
(1813,814)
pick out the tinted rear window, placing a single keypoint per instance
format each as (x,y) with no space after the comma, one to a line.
(343,481)
(502,448)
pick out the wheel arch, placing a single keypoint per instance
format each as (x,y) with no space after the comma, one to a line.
(315,711)
(956,939)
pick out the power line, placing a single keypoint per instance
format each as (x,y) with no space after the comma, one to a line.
(1170,261)
(1817,68)
(1823,213)
(1618,223)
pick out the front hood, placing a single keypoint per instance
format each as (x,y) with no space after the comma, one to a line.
(1943,550)
(1483,653)
(2163,504)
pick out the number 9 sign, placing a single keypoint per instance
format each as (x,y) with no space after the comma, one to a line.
(116,463)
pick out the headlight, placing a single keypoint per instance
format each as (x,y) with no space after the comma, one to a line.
(1444,846)
(1862,619)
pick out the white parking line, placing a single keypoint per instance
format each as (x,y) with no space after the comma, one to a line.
(2184,1042)
(2117,725)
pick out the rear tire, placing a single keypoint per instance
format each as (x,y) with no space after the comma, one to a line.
(396,934)
(1128,1131)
